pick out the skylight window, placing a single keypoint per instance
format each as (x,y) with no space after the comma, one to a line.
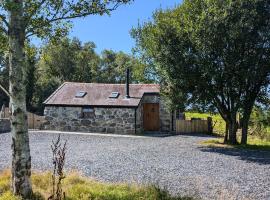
(114,95)
(80,94)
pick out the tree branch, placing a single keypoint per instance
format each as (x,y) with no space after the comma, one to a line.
(33,13)
(5,91)
(3,18)
(65,16)
(4,30)
(84,14)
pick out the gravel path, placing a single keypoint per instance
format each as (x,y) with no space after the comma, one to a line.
(177,163)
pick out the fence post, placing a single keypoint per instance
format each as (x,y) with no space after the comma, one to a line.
(2,111)
(33,120)
(210,125)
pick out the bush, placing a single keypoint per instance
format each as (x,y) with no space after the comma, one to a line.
(260,124)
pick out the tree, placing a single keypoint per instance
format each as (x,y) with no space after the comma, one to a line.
(70,60)
(114,64)
(212,51)
(66,60)
(21,19)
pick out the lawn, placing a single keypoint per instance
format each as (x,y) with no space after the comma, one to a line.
(253,143)
(77,187)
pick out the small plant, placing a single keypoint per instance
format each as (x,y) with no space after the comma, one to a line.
(59,155)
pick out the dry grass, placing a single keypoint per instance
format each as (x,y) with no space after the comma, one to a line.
(77,187)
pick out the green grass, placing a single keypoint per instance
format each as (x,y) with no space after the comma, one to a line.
(253,143)
(77,187)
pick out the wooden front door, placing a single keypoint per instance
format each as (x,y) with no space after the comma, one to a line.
(151,117)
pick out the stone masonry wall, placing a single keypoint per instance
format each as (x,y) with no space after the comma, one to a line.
(103,120)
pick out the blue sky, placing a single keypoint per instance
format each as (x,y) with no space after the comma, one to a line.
(112,32)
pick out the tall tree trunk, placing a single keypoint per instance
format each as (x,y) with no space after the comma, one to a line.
(244,131)
(226,133)
(245,120)
(232,128)
(248,105)
(21,159)
(232,132)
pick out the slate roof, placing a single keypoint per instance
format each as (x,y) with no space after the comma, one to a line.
(98,94)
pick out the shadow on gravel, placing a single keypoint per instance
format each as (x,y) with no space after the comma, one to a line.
(257,156)
(197,135)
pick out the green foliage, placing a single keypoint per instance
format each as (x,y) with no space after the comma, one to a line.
(31,79)
(77,187)
(211,53)
(69,60)
(3,68)
(48,19)
(113,68)
(260,123)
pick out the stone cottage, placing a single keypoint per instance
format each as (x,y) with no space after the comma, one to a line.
(107,108)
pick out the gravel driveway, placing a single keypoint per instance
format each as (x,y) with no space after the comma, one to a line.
(177,163)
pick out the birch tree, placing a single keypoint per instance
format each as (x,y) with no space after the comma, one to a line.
(19,20)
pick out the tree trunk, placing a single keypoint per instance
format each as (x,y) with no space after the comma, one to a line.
(244,131)
(232,132)
(232,125)
(21,159)
(245,120)
(248,105)
(226,133)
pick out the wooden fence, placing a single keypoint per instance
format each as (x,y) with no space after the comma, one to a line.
(194,126)
(5,113)
(34,121)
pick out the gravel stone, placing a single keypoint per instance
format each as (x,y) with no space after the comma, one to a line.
(177,163)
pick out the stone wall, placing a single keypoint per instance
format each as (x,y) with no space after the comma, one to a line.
(4,125)
(102,120)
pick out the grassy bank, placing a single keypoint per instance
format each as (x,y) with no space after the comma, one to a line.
(253,143)
(77,187)
(219,124)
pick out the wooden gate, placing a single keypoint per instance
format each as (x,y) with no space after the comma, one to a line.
(193,126)
(34,121)
(151,117)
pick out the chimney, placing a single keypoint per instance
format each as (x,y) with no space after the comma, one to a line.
(127,84)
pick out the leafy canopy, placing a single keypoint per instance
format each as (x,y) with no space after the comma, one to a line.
(48,18)
(212,51)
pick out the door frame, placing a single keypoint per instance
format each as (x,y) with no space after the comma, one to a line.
(158,117)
